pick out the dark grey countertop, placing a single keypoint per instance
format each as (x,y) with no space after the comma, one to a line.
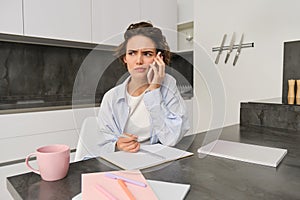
(210,177)
(270,113)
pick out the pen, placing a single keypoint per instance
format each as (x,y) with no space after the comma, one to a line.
(114,134)
(124,136)
(126,190)
(106,193)
(127,180)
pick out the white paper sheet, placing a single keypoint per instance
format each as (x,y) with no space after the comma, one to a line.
(167,190)
(158,154)
(244,152)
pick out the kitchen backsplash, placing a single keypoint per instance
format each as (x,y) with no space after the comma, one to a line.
(34,75)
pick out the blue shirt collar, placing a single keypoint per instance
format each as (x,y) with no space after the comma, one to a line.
(121,90)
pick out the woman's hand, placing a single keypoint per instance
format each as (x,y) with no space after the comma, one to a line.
(129,144)
(156,73)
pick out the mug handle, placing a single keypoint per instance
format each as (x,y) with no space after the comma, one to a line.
(29,166)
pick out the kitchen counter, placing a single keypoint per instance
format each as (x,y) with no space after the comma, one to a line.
(210,177)
(270,113)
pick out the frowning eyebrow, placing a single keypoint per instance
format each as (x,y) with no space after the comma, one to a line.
(143,51)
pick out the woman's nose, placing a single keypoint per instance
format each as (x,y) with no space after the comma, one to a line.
(139,59)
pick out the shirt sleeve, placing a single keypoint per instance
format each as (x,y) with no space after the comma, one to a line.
(107,125)
(168,114)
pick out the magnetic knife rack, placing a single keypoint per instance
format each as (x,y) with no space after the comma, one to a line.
(245,45)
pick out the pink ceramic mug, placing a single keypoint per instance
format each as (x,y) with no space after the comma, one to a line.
(53,161)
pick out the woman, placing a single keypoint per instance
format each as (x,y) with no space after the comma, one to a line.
(147,106)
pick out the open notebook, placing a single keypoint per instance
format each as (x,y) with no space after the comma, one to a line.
(244,152)
(154,190)
(148,156)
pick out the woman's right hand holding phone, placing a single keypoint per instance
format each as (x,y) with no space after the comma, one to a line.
(156,72)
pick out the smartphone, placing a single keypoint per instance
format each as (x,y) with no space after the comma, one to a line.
(150,73)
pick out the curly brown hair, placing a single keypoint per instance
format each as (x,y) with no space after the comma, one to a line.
(148,30)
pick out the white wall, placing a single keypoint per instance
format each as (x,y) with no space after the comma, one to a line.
(258,73)
(185,10)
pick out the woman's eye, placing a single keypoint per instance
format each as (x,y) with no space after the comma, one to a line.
(148,54)
(130,53)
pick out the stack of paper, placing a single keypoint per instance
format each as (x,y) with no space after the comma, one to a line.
(148,156)
(154,189)
(244,152)
(91,180)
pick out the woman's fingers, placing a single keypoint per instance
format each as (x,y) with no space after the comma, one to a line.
(155,74)
(130,147)
(159,60)
(136,149)
(129,143)
(125,146)
(161,65)
(133,147)
(157,69)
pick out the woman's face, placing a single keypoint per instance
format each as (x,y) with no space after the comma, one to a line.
(140,53)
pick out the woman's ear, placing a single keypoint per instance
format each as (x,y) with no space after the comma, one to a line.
(124,59)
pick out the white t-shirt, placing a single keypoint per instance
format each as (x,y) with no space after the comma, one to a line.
(139,118)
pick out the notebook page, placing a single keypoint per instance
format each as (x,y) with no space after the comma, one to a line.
(158,154)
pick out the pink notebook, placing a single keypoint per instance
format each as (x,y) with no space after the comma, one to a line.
(90,191)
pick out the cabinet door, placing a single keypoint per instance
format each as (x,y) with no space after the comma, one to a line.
(162,14)
(11,17)
(58,19)
(111,18)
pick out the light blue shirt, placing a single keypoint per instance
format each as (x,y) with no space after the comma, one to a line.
(168,114)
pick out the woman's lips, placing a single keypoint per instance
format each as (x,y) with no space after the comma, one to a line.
(140,69)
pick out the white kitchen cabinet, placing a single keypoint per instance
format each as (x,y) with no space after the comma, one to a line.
(111,18)
(22,133)
(162,14)
(58,19)
(11,20)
